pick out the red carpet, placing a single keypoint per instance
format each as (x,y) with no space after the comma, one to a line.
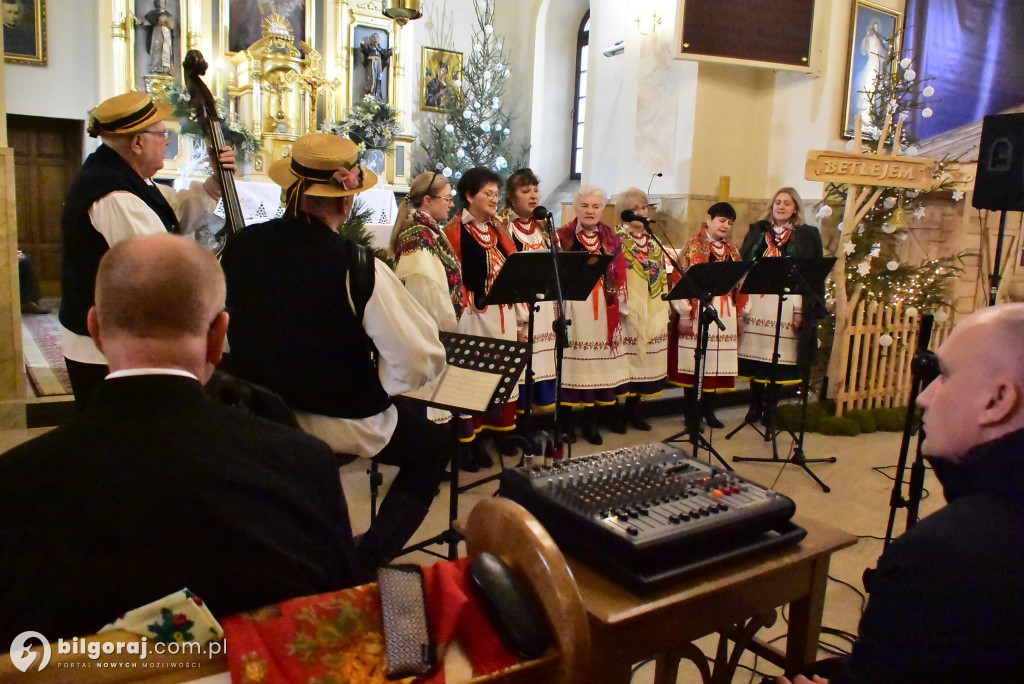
(44,362)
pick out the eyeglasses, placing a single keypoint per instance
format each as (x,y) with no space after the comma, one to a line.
(449,198)
(165,134)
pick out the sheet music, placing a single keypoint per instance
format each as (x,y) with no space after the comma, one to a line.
(468,389)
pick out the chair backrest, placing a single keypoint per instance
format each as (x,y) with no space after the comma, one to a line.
(509,531)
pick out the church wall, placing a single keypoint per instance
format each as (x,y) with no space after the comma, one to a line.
(67,87)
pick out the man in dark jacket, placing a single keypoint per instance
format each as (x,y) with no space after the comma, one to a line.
(155,487)
(947,600)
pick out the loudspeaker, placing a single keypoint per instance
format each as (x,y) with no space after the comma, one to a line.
(1000,181)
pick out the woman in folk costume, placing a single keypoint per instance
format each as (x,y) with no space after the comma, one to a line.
(781,233)
(710,244)
(522,195)
(481,248)
(425,260)
(645,331)
(594,366)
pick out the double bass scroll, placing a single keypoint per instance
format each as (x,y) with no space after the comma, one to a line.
(201,99)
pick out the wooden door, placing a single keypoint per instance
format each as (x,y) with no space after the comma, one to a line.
(47,155)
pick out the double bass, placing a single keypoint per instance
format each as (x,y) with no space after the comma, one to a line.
(201,99)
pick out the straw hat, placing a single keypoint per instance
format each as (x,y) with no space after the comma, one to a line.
(127,113)
(327,164)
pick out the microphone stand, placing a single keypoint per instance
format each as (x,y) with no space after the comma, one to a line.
(561,330)
(708,315)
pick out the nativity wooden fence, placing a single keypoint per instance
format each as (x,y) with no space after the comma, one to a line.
(878,346)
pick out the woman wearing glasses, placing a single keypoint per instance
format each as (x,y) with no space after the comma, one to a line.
(425,260)
(481,247)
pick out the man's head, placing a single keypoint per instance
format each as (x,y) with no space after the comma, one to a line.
(11,12)
(132,124)
(160,304)
(979,393)
(322,176)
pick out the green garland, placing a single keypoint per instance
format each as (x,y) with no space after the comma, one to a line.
(242,140)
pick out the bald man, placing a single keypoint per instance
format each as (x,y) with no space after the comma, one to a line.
(155,487)
(947,600)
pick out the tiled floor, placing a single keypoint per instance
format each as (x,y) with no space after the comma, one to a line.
(858,503)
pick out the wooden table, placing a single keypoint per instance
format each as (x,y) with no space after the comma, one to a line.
(736,600)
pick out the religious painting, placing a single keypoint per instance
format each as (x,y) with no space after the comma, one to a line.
(441,68)
(871,27)
(158,41)
(372,53)
(24,31)
(245,20)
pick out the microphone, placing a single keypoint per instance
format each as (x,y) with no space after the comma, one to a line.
(541,213)
(629,216)
(658,174)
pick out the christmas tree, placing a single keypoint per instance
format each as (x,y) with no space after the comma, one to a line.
(872,249)
(475,131)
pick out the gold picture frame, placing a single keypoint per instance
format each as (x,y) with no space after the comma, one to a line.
(870,26)
(440,69)
(24,32)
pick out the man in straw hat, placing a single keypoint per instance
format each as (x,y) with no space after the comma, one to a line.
(309,309)
(114,197)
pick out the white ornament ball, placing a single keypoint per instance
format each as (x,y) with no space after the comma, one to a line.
(892,265)
(449,128)
(912,311)
(458,175)
(927,112)
(457,83)
(889,202)
(941,316)
(928,91)
(460,153)
(485,127)
(905,62)
(466,114)
(884,340)
(498,46)
(488,29)
(888,228)
(446,172)
(909,75)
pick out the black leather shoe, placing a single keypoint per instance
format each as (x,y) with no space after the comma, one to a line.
(711,419)
(465,459)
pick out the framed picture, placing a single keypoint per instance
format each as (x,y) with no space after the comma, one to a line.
(871,28)
(244,20)
(24,31)
(441,68)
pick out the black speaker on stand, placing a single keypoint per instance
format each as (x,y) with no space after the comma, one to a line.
(1000,181)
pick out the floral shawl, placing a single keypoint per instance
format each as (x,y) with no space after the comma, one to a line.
(424,233)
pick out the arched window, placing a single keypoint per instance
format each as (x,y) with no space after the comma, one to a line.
(579,113)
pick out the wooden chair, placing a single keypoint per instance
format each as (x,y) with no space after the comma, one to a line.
(498,526)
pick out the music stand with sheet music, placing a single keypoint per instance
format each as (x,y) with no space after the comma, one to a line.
(532,277)
(480,375)
(704,282)
(790,276)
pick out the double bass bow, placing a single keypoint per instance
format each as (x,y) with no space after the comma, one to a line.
(201,99)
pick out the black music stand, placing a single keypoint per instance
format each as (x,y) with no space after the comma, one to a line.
(533,277)
(480,375)
(704,282)
(789,276)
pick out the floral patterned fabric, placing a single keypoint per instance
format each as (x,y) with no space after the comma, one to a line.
(338,637)
(427,235)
